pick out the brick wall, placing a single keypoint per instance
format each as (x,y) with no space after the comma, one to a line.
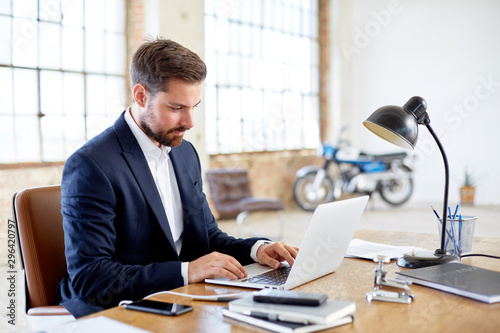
(14,180)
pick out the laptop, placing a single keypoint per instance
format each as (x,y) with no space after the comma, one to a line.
(321,252)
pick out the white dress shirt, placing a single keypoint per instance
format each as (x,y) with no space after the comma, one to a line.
(163,173)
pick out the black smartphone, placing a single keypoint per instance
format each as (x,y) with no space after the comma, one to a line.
(289,297)
(168,309)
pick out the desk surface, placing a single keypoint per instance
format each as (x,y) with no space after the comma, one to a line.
(432,310)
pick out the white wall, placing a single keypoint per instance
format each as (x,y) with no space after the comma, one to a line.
(448,52)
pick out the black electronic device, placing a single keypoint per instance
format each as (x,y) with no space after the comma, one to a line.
(289,297)
(168,309)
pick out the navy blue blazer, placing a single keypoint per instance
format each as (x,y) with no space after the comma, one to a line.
(117,237)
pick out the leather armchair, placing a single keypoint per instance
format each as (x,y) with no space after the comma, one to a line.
(232,196)
(40,238)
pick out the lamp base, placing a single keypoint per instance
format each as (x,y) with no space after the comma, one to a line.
(418,259)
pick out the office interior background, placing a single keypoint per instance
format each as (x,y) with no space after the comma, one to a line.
(283,77)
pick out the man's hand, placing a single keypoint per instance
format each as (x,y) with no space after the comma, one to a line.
(215,264)
(274,253)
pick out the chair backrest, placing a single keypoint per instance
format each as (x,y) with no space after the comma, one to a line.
(37,212)
(227,188)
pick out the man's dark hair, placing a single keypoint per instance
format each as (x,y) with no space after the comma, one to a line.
(157,61)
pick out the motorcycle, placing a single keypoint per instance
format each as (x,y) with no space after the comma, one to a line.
(348,170)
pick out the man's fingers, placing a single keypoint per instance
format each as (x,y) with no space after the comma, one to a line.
(230,265)
(273,254)
(215,265)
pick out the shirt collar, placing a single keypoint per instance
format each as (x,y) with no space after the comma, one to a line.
(147,146)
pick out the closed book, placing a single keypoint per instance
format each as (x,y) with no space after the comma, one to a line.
(326,313)
(460,279)
(283,326)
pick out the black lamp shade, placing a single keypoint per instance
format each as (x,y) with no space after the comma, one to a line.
(394,124)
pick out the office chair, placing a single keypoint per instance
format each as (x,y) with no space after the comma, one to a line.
(232,196)
(40,238)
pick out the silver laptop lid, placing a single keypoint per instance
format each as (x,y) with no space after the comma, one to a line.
(326,240)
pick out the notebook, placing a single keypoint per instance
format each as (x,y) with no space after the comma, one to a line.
(460,279)
(325,313)
(283,326)
(322,250)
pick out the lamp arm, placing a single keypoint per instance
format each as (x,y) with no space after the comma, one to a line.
(442,250)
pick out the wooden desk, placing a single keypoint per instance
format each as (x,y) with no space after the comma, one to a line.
(432,310)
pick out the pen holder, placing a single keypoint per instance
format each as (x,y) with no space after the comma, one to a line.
(459,234)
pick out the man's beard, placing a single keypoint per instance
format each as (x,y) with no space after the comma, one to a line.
(163,138)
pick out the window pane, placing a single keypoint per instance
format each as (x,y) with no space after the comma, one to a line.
(115,49)
(223,37)
(74,134)
(95,11)
(115,18)
(95,98)
(273,122)
(97,124)
(50,10)
(51,91)
(72,49)
(115,96)
(7,145)
(311,121)
(73,97)
(50,45)
(292,120)
(5,40)
(53,141)
(6,91)
(210,103)
(25,8)
(5,7)
(27,140)
(94,52)
(229,120)
(73,13)
(25,92)
(24,43)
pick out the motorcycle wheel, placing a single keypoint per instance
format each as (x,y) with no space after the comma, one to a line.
(307,197)
(397,191)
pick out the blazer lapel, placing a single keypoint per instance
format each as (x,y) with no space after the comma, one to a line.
(138,165)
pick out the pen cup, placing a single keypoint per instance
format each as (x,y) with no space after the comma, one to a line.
(459,234)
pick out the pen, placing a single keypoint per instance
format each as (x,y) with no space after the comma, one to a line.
(452,226)
(455,214)
(275,317)
(437,215)
(460,233)
(447,231)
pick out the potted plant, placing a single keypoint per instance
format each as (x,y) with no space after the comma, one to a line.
(467,190)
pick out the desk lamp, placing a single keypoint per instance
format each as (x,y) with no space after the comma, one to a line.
(399,126)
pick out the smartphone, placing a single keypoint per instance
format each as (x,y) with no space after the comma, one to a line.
(168,309)
(289,297)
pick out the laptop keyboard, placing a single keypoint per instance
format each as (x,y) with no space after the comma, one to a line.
(275,277)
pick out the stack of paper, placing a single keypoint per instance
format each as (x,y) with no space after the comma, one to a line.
(368,250)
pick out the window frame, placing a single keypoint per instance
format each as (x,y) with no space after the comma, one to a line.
(49,13)
(279,122)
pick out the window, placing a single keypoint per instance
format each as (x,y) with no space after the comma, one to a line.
(62,71)
(262,87)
